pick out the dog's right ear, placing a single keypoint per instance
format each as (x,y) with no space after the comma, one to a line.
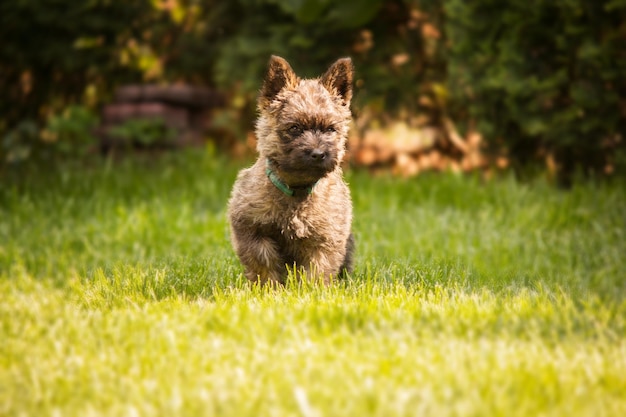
(279,75)
(338,79)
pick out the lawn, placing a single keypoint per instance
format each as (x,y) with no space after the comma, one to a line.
(121,296)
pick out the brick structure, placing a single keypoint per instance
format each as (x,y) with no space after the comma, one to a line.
(184,109)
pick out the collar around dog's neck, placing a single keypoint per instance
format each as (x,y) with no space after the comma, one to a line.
(286,189)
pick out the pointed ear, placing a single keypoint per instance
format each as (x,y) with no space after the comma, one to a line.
(279,75)
(338,79)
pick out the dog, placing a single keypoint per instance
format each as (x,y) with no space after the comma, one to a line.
(292,210)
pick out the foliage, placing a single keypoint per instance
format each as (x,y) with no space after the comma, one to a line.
(394,62)
(121,295)
(72,131)
(307,33)
(542,78)
(64,53)
(18,143)
(66,135)
(54,50)
(144,132)
(105,44)
(539,80)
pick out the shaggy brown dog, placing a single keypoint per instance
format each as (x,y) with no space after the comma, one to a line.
(292,209)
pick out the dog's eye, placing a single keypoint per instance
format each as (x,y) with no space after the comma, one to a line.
(294,130)
(330,129)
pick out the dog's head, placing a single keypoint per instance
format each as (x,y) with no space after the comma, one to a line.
(303,124)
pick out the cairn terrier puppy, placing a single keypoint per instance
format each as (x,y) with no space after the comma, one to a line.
(292,210)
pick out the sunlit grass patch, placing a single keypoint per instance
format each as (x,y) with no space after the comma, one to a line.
(367,349)
(121,296)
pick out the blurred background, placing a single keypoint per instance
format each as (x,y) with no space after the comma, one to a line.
(530,85)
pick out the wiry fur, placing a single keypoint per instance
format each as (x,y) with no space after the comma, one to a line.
(301,132)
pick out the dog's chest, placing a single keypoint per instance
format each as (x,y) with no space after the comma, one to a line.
(297,226)
(294,221)
(291,229)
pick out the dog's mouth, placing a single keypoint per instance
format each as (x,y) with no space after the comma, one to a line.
(304,171)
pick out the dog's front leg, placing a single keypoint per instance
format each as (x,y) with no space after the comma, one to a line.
(260,257)
(321,265)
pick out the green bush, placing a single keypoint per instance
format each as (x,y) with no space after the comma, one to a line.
(89,48)
(51,51)
(311,34)
(542,78)
(151,132)
(18,143)
(539,79)
(70,133)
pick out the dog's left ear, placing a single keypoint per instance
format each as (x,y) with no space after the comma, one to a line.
(279,75)
(338,79)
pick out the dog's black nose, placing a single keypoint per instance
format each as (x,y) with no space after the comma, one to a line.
(318,154)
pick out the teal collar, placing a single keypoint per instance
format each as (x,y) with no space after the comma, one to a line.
(287,190)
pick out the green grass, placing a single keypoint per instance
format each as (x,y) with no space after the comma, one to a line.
(120,296)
